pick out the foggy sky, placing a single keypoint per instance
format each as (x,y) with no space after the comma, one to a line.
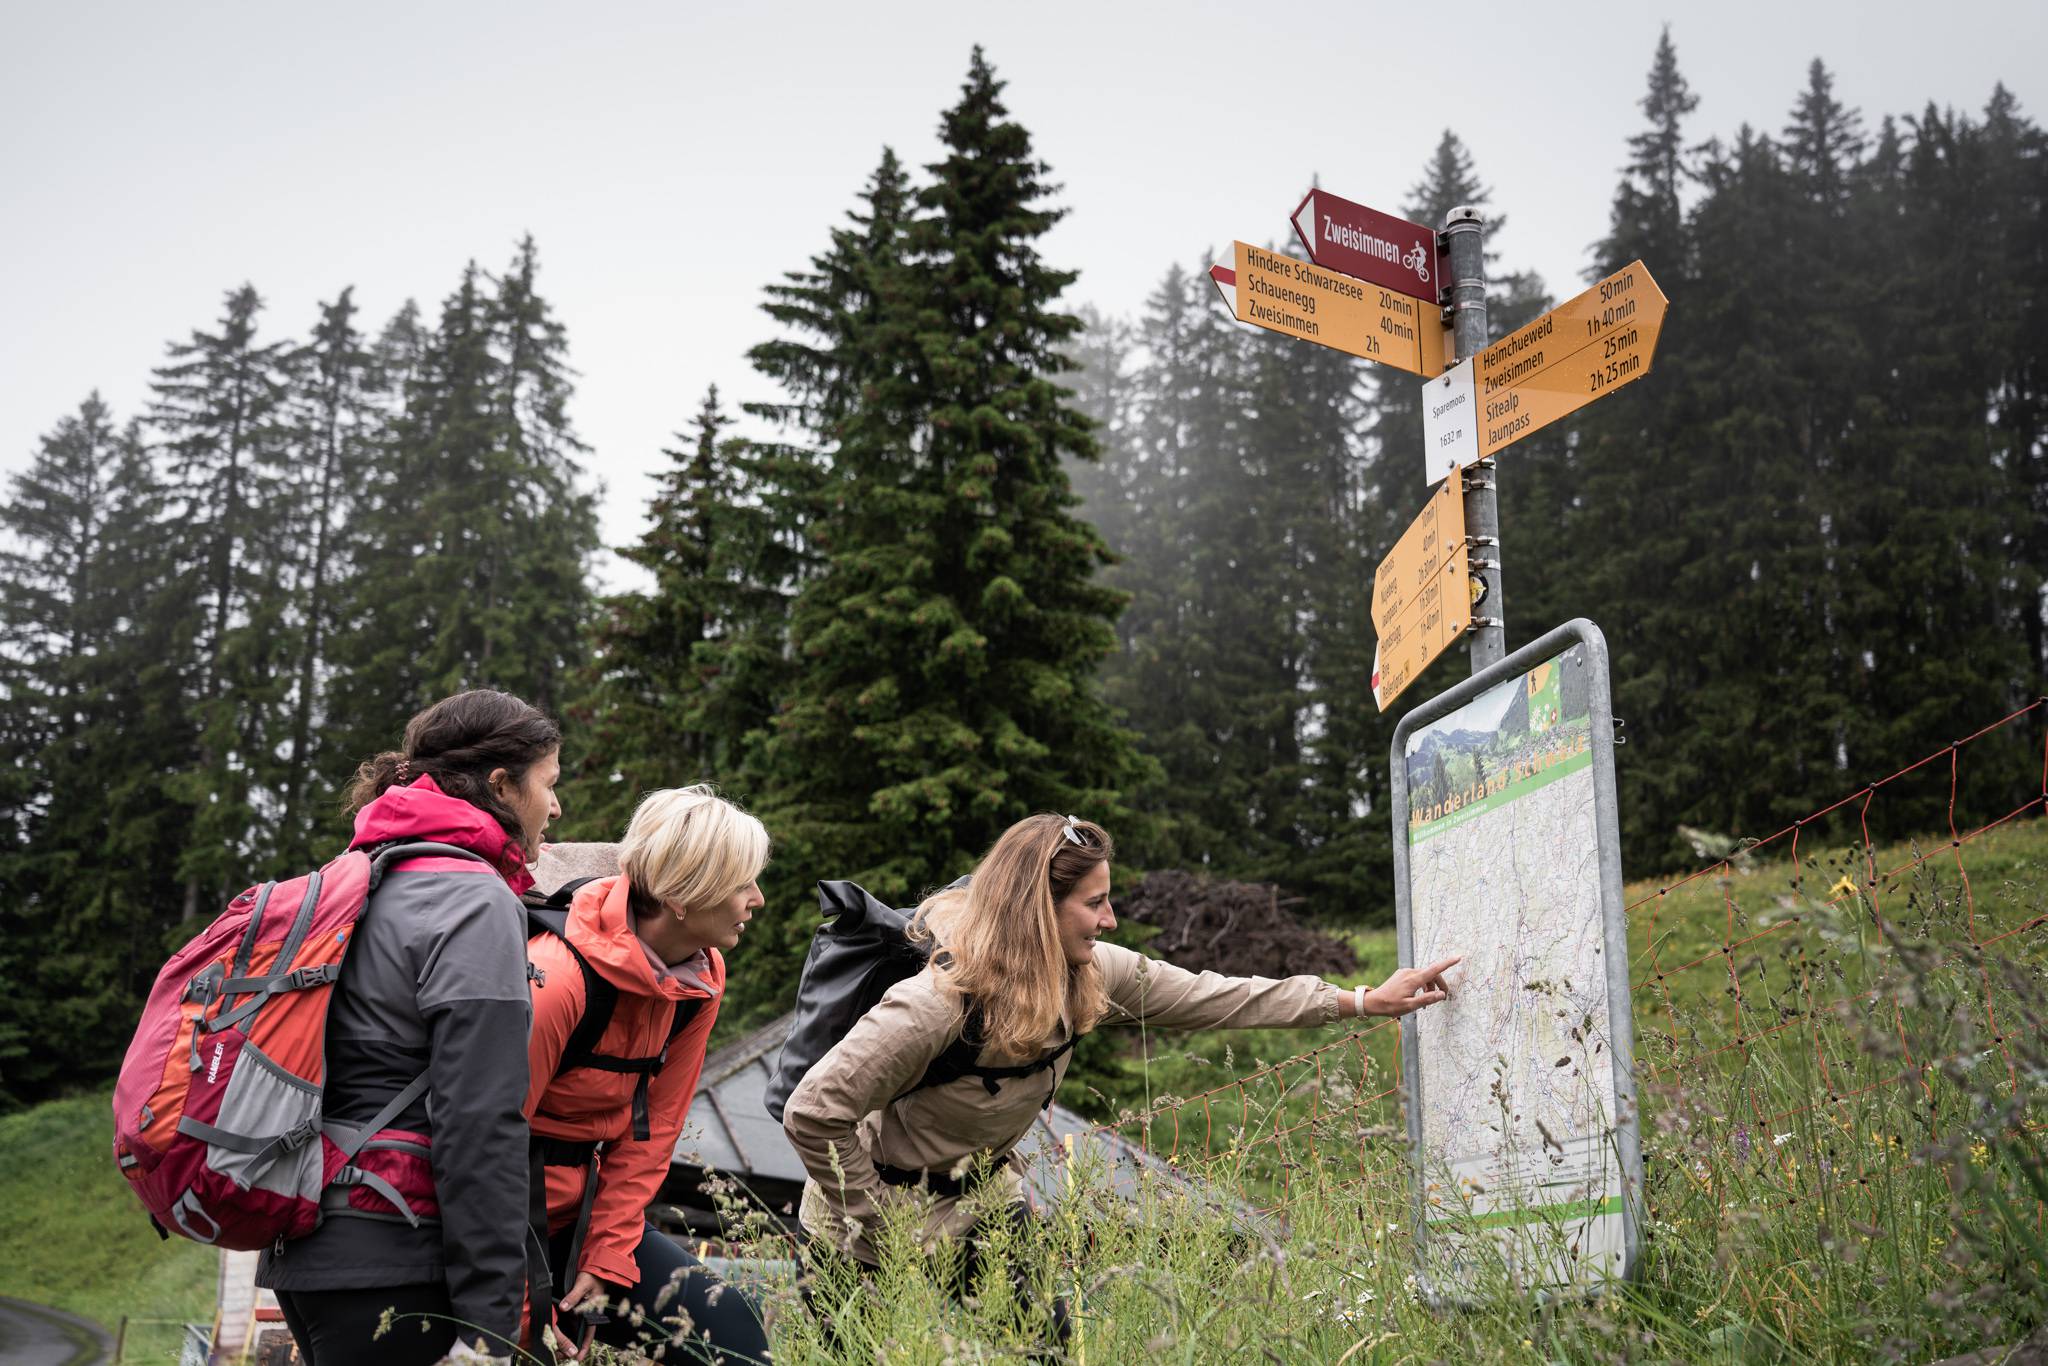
(671,159)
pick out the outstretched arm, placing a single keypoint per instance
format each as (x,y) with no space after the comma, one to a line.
(1167,997)
(1162,996)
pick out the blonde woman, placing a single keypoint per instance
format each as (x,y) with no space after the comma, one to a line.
(1019,964)
(606,1105)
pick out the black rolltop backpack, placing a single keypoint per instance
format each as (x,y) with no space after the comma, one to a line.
(864,948)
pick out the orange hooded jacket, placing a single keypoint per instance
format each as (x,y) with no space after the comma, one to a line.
(589,1103)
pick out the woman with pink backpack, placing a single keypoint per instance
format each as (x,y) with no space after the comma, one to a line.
(426,1045)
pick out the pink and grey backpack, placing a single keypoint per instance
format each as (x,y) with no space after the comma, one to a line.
(217,1114)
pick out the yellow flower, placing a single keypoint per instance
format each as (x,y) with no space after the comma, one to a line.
(1979,1154)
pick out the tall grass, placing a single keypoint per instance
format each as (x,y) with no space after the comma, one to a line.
(1843,1131)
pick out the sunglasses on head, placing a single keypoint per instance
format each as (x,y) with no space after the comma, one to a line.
(1072,835)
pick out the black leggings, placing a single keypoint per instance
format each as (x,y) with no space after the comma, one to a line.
(339,1327)
(725,1323)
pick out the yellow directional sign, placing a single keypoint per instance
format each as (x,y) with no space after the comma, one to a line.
(1577,352)
(1435,618)
(1417,559)
(1421,598)
(1302,299)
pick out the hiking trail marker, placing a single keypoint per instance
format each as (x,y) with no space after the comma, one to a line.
(1369,245)
(1421,602)
(1582,350)
(1315,303)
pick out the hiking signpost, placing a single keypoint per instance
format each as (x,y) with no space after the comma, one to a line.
(1305,300)
(1420,599)
(1373,246)
(1580,351)
(1506,839)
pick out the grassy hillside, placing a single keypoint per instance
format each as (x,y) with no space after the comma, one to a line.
(1843,1137)
(72,1236)
(1797,1211)
(1784,911)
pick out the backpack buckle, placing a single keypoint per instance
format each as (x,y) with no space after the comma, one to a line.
(298,1136)
(298,979)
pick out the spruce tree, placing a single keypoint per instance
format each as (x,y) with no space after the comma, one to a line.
(1648,216)
(686,672)
(220,410)
(337,426)
(474,528)
(1186,417)
(834,311)
(1924,506)
(949,641)
(1102,354)
(97,674)
(2014,153)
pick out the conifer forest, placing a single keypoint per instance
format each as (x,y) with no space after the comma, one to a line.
(993,552)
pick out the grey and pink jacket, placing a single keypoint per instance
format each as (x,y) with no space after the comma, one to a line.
(435,982)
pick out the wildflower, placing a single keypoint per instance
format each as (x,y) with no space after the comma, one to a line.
(1780,1140)
(1980,1154)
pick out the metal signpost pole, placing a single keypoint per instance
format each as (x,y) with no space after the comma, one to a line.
(1465,251)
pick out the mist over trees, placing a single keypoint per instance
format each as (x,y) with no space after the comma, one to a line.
(990,552)
(1812,537)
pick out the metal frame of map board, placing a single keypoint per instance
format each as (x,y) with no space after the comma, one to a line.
(1614,924)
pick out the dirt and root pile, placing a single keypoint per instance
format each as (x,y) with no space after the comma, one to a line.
(1239,928)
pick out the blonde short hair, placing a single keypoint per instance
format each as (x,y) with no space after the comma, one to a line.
(690,847)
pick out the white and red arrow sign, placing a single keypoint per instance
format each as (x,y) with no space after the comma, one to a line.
(1369,245)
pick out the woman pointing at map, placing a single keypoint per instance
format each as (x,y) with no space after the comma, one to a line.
(935,1086)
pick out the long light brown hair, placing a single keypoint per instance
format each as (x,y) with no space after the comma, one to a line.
(998,943)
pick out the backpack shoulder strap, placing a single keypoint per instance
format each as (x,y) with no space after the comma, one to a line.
(600,997)
(560,898)
(686,1011)
(959,1057)
(382,856)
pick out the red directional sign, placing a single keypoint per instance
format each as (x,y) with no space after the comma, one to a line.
(1369,245)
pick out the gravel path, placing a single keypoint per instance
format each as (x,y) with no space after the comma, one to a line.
(35,1335)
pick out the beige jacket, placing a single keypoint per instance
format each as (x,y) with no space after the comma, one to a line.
(846,1111)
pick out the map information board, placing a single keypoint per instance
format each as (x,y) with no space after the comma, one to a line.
(1521,1108)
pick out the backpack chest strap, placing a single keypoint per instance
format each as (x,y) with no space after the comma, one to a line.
(962,1058)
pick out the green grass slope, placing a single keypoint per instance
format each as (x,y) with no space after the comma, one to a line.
(72,1236)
